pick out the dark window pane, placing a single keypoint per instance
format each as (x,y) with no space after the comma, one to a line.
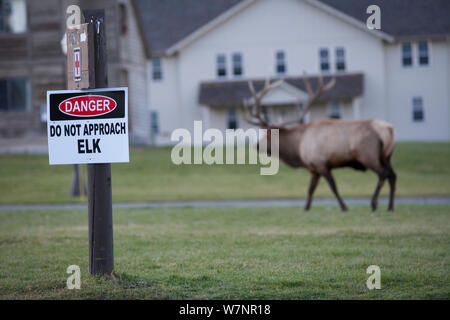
(407,54)
(340,66)
(407,61)
(157,69)
(335,110)
(418,112)
(154,122)
(418,115)
(157,75)
(324,60)
(237,64)
(3,95)
(423,53)
(18,94)
(280,62)
(221,66)
(423,60)
(340,59)
(1,18)
(232,119)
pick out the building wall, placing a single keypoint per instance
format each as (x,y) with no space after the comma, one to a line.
(133,67)
(431,82)
(35,55)
(258,32)
(127,61)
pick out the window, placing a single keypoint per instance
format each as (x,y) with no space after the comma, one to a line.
(237,64)
(154,122)
(324,60)
(340,59)
(334,110)
(418,112)
(157,69)
(13,16)
(280,62)
(407,54)
(15,95)
(423,53)
(265,113)
(221,66)
(232,119)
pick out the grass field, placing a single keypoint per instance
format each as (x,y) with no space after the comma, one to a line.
(223,253)
(422,170)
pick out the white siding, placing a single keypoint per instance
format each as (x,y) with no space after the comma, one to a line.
(430,82)
(300,30)
(134,62)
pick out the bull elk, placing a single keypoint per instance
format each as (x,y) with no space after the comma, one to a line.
(324,144)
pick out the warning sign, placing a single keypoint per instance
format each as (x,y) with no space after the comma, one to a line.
(87,126)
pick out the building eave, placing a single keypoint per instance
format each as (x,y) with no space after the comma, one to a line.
(354,22)
(207,27)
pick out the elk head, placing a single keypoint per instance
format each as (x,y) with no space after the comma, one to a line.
(253,112)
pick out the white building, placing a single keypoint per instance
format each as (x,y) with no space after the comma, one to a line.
(203,52)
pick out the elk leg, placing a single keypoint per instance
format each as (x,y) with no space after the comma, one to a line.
(381,178)
(333,187)
(312,187)
(392,178)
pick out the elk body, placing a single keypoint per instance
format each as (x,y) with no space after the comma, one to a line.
(325,144)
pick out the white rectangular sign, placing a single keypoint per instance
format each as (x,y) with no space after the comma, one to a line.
(87,126)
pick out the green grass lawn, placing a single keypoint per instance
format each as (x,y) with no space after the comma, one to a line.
(423,169)
(231,253)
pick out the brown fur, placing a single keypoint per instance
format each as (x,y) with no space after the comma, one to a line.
(322,145)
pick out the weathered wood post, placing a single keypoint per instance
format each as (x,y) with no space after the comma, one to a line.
(87,69)
(101,249)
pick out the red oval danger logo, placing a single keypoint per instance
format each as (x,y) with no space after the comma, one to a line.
(87,106)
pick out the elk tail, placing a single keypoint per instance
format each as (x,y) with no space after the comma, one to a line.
(389,148)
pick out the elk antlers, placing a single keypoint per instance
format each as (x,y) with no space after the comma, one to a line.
(254,115)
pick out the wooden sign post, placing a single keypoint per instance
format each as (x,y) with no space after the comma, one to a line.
(101,249)
(87,69)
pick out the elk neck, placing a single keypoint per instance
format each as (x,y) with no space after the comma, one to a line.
(289,145)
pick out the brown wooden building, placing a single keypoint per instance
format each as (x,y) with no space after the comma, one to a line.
(32,62)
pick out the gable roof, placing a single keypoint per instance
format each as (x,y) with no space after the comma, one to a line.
(168,23)
(402,18)
(232,93)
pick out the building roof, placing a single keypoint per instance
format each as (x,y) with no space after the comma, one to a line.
(166,23)
(232,93)
(402,18)
(170,21)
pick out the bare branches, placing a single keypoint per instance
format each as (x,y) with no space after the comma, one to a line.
(313,96)
(253,112)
